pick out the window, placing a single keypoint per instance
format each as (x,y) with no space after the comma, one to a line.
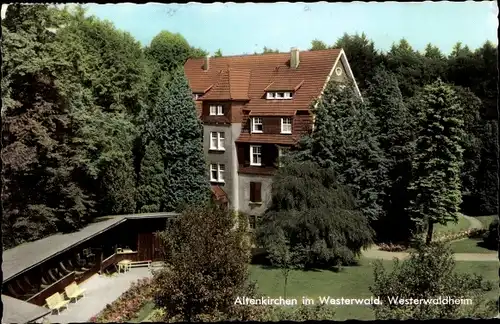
(217,172)
(222,168)
(216,110)
(221,141)
(286,125)
(255,155)
(214,174)
(257,125)
(252,221)
(279,95)
(255,192)
(196,96)
(217,141)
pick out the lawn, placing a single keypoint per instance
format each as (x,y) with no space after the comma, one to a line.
(352,282)
(486,220)
(469,245)
(450,227)
(144,312)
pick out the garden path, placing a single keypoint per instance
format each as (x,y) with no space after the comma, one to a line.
(374,253)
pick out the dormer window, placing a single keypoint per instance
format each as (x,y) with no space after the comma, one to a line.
(216,110)
(279,95)
(257,125)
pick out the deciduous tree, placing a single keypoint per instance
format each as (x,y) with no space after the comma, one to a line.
(316,215)
(429,274)
(207,258)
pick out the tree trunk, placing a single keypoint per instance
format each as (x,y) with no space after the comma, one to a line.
(430,229)
(286,281)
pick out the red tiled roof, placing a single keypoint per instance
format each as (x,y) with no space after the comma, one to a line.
(232,84)
(219,193)
(267,139)
(247,76)
(284,85)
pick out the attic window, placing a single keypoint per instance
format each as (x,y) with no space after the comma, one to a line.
(279,95)
(216,110)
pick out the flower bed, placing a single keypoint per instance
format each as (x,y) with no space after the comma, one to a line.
(447,237)
(127,305)
(389,247)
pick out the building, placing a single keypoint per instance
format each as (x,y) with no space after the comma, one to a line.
(33,271)
(254,107)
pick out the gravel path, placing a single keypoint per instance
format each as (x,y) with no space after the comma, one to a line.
(374,253)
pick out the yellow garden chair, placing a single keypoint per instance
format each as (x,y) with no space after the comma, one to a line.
(73,291)
(57,302)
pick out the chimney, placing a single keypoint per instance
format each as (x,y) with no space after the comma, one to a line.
(206,65)
(294,58)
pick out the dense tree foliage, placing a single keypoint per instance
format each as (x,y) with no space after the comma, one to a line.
(76,92)
(171,50)
(395,127)
(40,190)
(83,108)
(429,273)
(344,139)
(180,135)
(151,180)
(313,218)
(491,237)
(435,186)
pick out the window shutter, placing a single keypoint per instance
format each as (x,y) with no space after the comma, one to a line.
(257,194)
(252,191)
(246,155)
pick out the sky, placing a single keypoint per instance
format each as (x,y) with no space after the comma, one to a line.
(247,28)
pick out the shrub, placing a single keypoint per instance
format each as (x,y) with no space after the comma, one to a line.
(427,274)
(128,304)
(207,254)
(491,237)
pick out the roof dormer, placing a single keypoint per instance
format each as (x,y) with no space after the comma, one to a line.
(279,95)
